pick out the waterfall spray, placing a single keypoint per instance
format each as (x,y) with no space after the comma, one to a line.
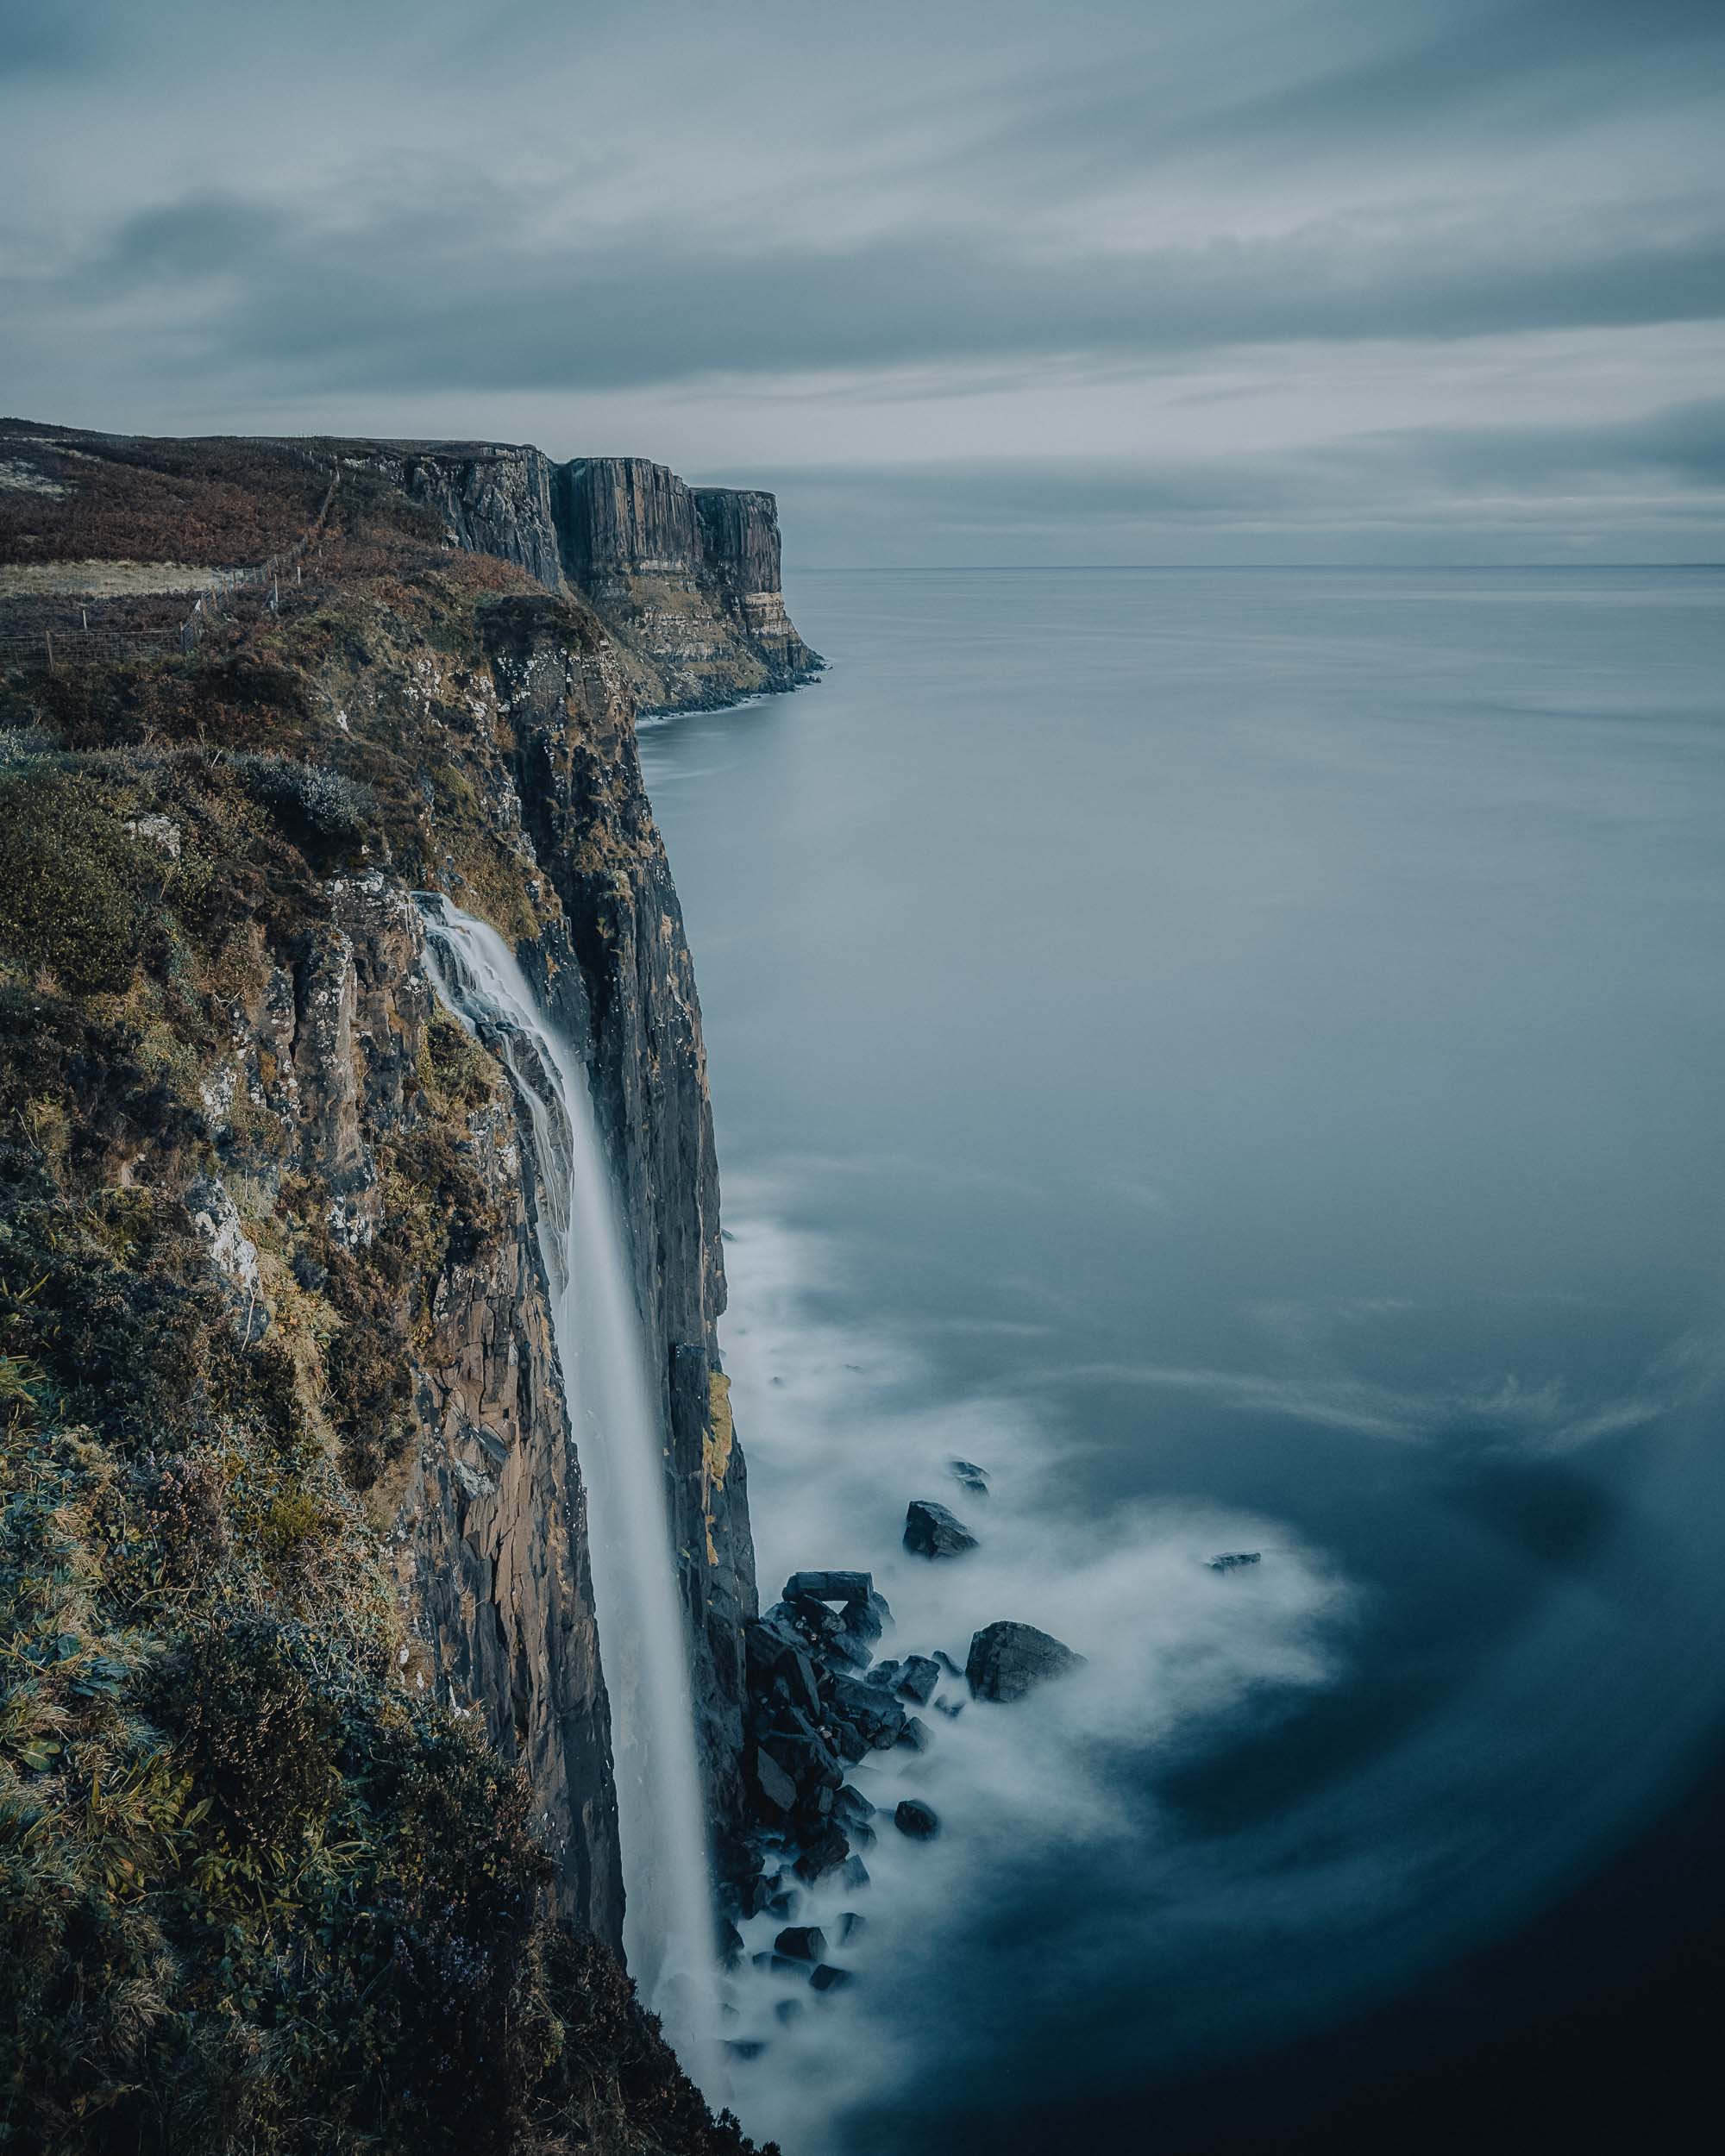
(668,1929)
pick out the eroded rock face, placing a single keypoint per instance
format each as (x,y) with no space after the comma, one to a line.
(494,498)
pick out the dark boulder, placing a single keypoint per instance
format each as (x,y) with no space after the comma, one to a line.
(932,1531)
(784,1901)
(1006,1659)
(804,1754)
(916,1735)
(1233,1560)
(830,1587)
(779,1665)
(751,1893)
(731,1948)
(826,1852)
(884,1675)
(774,1787)
(861,1625)
(853,1873)
(969,1476)
(851,1808)
(827,1978)
(850,1745)
(876,1717)
(818,1624)
(917,1678)
(801,1942)
(919,1820)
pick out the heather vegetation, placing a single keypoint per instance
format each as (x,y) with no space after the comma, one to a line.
(219,502)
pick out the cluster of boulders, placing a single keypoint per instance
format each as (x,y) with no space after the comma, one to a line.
(819,1704)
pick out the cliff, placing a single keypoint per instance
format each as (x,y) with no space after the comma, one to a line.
(685,580)
(305,1802)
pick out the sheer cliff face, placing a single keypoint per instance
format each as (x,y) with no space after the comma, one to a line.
(686,580)
(632,1005)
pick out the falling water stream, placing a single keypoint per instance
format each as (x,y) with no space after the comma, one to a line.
(616,1430)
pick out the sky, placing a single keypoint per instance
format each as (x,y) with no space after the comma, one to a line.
(966,281)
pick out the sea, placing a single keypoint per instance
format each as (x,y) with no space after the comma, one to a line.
(1239,1057)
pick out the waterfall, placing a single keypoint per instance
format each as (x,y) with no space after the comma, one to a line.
(619,1440)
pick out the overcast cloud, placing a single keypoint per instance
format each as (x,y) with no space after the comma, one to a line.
(969,280)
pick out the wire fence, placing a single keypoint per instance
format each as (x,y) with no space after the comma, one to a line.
(86,646)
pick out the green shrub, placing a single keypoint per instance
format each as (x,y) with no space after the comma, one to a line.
(74,886)
(307,798)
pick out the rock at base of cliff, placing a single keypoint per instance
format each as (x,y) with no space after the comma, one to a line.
(1006,1659)
(930,1531)
(919,1820)
(830,1587)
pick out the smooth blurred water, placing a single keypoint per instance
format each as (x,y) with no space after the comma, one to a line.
(1230,1047)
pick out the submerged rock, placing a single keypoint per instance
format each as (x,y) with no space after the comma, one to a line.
(850,1925)
(916,1735)
(801,1942)
(919,1820)
(1231,1560)
(930,1531)
(1006,1659)
(969,1476)
(827,1978)
(853,1873)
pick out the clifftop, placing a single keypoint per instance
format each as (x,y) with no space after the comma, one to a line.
(686,578)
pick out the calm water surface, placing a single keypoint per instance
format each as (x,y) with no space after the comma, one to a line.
(1239,1054)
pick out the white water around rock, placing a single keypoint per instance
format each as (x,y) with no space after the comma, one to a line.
(619,1443)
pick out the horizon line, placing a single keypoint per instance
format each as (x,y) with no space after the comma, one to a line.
(1094,568)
